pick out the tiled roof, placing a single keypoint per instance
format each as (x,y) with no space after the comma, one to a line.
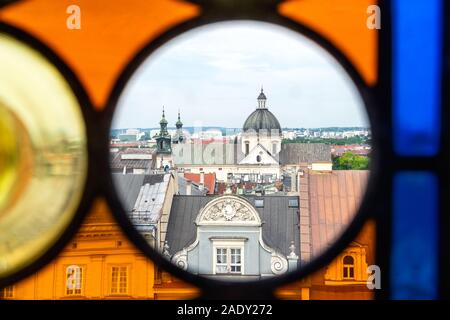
(124,144)
(195,190)
(116,162)
(210,180)
(334,198)
(139,151)
(295,153)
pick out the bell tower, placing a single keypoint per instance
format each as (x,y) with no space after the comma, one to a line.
(163,154)
(179,137)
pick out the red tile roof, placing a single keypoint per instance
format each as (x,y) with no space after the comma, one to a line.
(130,144)
(334,199)
(210,180)
(139,151)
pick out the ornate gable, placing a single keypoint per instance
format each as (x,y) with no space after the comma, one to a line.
(228,210)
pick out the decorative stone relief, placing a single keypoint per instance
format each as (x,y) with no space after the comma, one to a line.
(278,263)
(229,208)
(180,259)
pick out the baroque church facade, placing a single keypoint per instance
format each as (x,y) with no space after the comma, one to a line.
(256,156)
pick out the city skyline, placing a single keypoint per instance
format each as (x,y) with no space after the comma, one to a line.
(214,74)
(240,128)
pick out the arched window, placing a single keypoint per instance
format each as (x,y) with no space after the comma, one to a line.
(258,158)
(348,267)
(247,147)
(274,148)
(74,280)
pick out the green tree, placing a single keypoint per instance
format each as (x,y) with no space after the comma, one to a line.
(350,161)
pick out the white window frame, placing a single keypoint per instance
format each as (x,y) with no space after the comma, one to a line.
(78,279)
(228,245)
(127,280)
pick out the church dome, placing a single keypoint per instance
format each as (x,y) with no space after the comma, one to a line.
(262,118)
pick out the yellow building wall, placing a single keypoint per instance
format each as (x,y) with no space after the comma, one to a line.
(99,245)
(49,282)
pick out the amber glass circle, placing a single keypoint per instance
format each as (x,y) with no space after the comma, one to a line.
(43,155)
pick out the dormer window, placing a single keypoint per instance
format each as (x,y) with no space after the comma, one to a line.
(348,267)
(228,256)
(259,203)
(228,260)
(74,280)
(293,203)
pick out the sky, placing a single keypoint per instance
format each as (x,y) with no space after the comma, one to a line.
(213,75)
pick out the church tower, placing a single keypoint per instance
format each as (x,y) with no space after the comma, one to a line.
(163,154)
(179,137)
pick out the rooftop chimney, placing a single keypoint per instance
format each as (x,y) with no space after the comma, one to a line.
(188,187)
(294,182)
(202,177)
(202,180)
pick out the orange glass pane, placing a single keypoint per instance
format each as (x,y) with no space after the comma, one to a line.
(112,31)
(344,24)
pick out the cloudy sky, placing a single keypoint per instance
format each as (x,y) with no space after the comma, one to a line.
(214,73)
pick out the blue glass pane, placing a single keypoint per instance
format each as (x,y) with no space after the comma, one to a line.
(414,256)
(416,66)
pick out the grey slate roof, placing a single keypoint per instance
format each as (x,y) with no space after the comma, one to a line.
(117,163)
(128,187)
(181,230)
(295,153)
(142,196)
(280,223)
